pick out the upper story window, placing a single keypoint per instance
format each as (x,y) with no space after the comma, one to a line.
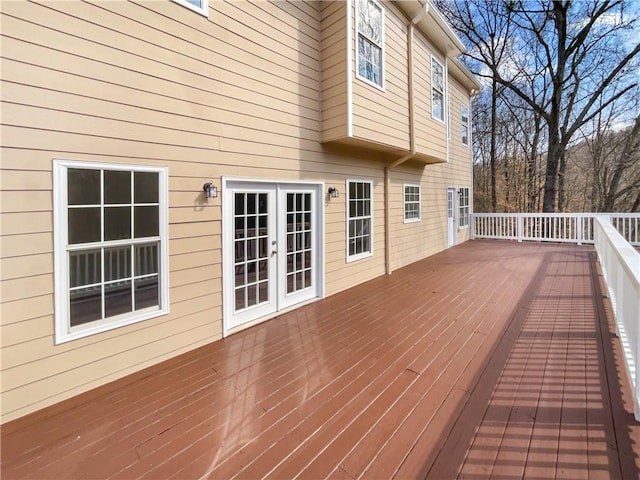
(200,6)
(437,89)
(464,121)
(370,37)
(110,246)
(464,207)
(359,219)
(411,203)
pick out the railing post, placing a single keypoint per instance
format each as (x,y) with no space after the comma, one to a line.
(520,227)
(473,226)
(579,229)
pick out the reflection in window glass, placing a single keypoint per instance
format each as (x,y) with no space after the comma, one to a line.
(108,274)
(359,219)
(370,35)
(437,89)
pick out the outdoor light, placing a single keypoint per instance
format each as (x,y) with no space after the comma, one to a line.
(333,192)
(210,190)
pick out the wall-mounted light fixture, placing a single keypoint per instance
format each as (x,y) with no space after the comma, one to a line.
(210,190)
(333,192)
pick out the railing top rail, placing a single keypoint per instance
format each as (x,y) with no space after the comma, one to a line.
(629,256)
(558,215)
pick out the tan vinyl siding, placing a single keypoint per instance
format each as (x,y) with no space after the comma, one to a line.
(431,134)
(383,116)
(249,92)
(334,70)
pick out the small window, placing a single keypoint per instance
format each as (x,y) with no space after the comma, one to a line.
(411,203)
(110,246)
(359,219)
(370,38)
(464,120)
(437,89)
(200,6)
(464,207)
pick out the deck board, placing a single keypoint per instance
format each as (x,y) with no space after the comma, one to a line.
(489,360)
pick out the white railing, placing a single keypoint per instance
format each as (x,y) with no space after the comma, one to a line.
(620,264)
(552,227)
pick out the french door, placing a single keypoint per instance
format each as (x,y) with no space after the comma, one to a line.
(451,217)
(271,253)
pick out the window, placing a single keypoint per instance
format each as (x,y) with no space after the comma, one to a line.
(411,203)
(464,119)
(437,89)
(359,219)
(464,207)
(110,246)
(200,6)
(370,38)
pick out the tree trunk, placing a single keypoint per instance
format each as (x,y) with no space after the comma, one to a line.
(562,167)
(553,158)
(492,153)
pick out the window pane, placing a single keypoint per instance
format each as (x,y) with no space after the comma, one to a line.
(146,222)
(85,305)
(84,225)
(84,268)
(239,203)
(147,293)
(146,260)
(117,186)
(117,263)
(117,298)
(117,223)
(438,111)
(145,187)
(251,203)
(240,300)
(370,20)
(83,186)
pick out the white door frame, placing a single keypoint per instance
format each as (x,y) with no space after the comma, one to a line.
(451,207)
(280,187)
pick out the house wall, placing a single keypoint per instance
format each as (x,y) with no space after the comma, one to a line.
(431,134)
(382,117)
(239,93)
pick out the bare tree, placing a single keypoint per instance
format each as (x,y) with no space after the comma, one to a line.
(566,60)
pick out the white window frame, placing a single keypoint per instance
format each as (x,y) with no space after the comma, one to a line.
(63,330)
(202,10)
(359,256)
(381,46)
(464,125)
(405,202)
(443,92)
(464,207)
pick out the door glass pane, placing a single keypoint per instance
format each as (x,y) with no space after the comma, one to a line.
(117,186)
(251,249)
(298,220)
(240,302)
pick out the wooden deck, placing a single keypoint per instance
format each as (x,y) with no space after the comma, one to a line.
(492,360)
